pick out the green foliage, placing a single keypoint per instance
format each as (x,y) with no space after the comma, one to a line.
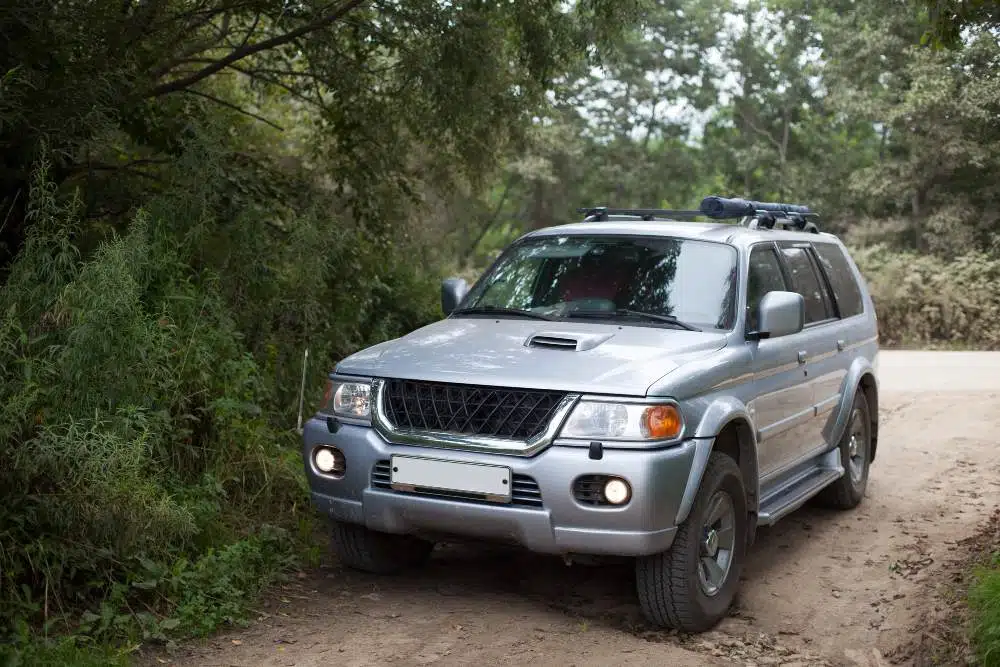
(984,600)
(948,19)
(928,301)
(62,652)
(191,197)
(148,398)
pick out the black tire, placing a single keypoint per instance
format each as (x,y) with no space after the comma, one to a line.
(671,592)
(367,550)
(848,491)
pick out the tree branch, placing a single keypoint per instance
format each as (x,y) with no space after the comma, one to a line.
(238,54)
(761,131)
(251,30)
(232,106)
(492,219)
(255,75)
(102,166)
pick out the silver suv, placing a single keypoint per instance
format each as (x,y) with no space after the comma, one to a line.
(627,386)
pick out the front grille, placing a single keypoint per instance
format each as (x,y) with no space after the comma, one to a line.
(516,414)
(525,492)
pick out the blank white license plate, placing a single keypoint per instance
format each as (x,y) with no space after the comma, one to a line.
(411,473)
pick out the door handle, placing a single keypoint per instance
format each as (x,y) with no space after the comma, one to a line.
(840,345)
(802,357)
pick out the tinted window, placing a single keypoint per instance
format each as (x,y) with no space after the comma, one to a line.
(764,276)
(845,287)
(580,276)
(806,282)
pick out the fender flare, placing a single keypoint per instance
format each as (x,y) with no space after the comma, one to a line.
(861,373)
(720,414)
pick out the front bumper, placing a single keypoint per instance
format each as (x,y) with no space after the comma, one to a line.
(560,525)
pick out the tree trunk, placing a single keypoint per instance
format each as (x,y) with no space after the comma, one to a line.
(917,226)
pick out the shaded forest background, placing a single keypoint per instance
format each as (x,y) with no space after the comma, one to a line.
(194,191)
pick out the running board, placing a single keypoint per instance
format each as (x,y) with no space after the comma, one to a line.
(797,491)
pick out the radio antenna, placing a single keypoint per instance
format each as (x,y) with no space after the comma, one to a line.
(302,389)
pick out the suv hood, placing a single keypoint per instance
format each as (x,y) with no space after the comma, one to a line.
(587,357)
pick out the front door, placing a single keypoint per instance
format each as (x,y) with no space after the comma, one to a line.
(783,407)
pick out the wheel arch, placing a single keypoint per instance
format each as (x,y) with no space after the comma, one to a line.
(726,427)
(860,377)
(869,385)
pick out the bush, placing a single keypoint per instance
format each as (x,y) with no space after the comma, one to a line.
(152,480)
(925,301)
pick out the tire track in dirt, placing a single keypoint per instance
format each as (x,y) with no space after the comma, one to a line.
(820,588)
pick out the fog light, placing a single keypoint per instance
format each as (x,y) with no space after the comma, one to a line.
(329,460)
(617,491)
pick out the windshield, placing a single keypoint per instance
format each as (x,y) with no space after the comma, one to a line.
(568,277)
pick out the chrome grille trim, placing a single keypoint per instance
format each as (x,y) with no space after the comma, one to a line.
(530,446)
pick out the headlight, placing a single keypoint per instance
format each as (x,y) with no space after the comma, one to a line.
(623,421)
(351,400)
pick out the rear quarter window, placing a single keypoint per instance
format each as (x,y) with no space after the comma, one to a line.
(845,286)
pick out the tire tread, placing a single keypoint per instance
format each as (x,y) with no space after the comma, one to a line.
(363,549)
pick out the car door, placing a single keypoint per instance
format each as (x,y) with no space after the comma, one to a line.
(816,345)
(782,406)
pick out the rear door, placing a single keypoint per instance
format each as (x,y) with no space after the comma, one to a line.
(817,346)
(848,332)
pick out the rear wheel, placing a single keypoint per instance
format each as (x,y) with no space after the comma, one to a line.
(360,548)
(855,455)
(691,586)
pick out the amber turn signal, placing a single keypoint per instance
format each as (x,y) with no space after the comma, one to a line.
(661,422)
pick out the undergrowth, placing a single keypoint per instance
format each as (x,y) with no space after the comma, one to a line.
(984,601)
(152,481)
(928,302)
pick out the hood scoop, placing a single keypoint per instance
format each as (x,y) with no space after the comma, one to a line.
(572,342)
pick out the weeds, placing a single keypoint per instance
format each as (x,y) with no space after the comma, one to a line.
(984,601)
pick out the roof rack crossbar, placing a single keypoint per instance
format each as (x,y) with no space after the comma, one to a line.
(601,213)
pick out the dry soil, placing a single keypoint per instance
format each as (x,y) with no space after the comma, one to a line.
(820,588)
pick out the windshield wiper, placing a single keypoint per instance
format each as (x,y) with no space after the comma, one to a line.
(625,312)
(496,310)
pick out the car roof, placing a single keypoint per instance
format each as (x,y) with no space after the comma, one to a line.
(719,232)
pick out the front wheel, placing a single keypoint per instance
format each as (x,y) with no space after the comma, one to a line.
(361,548)
(691,586)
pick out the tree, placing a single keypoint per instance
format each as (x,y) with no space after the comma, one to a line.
(947,19)
(374,78)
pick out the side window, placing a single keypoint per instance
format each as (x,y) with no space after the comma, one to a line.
(845,286)
(807,282)
(764,276)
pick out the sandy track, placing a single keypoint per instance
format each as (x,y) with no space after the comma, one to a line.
(820,587)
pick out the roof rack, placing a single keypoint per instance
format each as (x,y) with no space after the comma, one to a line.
(752,214)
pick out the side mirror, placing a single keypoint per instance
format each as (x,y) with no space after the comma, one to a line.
(453,290)
(780,314)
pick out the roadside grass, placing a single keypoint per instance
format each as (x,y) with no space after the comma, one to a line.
(984,604)
(65,652)
(959,619)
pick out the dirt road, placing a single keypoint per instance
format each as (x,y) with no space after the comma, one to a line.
(821,588)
